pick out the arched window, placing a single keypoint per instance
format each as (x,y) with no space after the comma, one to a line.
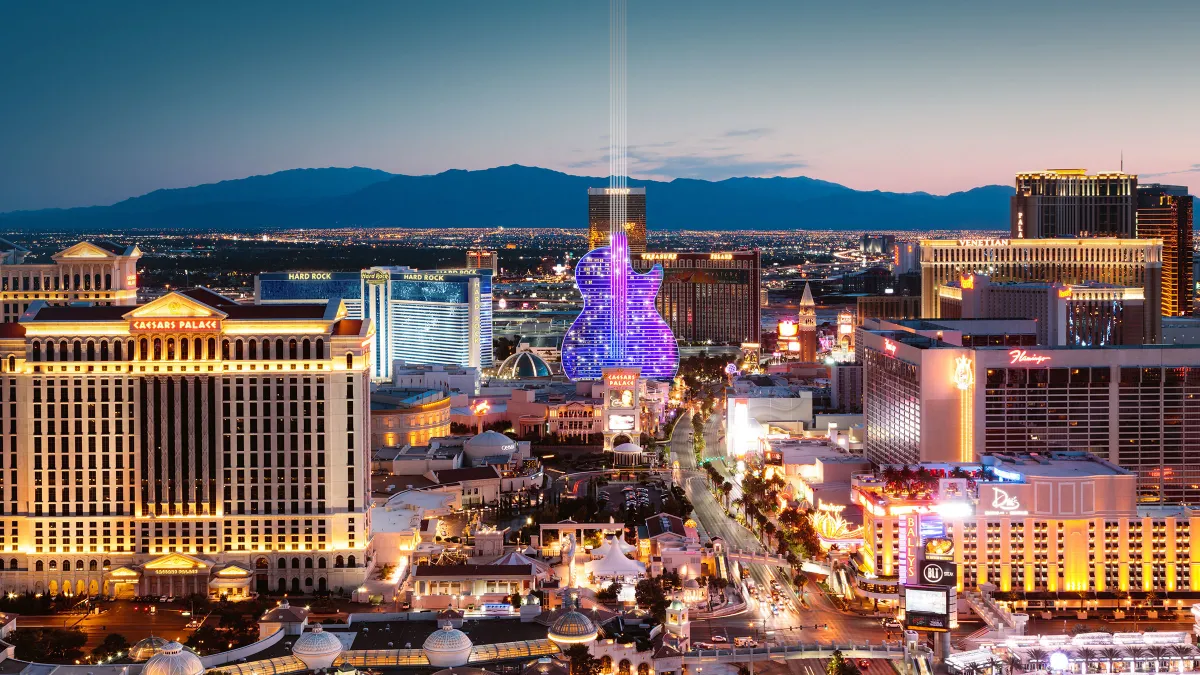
(91,351)
(184,344)
(199,348)
(62,350)
(66,282)
(66,565)
(96,282)
(170,349)
(320,563)
(308,563)
(261,564)
(12,363)
(107,563)
(108,281)
(606,664)
(37,566)
(12,564)
(117,351)
(339,561)
(295,563)
(212,349)
(144,347)
(225,349)
(79,565)
(320,349)
(37,351)
(623,667)
(349,361)
(279,349)
(306,348)
(77,351)
(158,349)
(104,350)
(292,350)
(237,350)
(350,562)
(308,581)
(253,349)
(283,563)
(92,565)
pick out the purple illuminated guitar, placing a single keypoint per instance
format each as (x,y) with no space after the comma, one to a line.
(619,325)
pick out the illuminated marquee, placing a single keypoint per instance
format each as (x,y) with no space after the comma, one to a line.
(621,378)
(175,325)
(1064,292)
(720,256)
(889,347)
(1005,504)
(310,276)
(423,277)
(1023,356)
(375,277)
(983,242)
(616,191)
(659,256)
(131,279)
(788,329)
(968,282)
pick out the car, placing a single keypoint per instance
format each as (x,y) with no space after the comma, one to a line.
(719,638)
(891,623)
(702,645)
(864,663)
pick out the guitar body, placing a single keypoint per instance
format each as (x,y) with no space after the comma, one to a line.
(642,338)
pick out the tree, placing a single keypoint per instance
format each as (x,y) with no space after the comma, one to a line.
(649,595)
(114,644)
(48,645)
(1037,657)
(1110,654)
(582,661)
(840,665)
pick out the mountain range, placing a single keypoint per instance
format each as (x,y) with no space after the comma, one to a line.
(518,196)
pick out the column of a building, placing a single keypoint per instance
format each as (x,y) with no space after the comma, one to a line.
(151,471)
(205,495)
(164,474)
(189,385)
(181,492)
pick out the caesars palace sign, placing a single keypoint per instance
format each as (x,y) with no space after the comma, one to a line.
(175,325)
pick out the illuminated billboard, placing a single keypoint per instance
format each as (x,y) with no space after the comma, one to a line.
(929,608)
(621,422)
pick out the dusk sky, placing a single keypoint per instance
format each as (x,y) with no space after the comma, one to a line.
(103,101)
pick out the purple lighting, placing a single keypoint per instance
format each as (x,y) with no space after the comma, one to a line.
(612,333)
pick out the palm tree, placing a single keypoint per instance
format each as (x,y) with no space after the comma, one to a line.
(1184,653)
(1111,654)
(769,530)
(1087,655)
(1137,654)
(1013,663)
(1159,654)
(1037,657)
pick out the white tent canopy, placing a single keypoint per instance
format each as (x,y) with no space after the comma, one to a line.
(615,565)
(611,541)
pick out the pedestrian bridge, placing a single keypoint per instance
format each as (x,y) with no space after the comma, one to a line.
(797,650)
(744,556)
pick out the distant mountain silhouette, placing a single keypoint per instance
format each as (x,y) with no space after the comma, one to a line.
(520,196)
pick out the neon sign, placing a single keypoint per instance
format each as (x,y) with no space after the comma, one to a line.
(968,282)
(720,256)
(659,256)
(376,276)
(1005,504)
(1064,292)
(983,242)
(889,347)
(309,276)
(964,373)
(1023,356)
(178,325)
(788,329)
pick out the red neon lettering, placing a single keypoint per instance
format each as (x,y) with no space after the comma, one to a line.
(1022,356)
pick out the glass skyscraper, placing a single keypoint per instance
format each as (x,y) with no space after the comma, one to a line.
(420,316)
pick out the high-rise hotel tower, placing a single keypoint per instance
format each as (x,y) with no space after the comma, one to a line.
(600,213)
(187,445)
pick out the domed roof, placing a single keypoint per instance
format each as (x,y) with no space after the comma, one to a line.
(147,647)
(317,643)
(628,447)
(447,647)
(677,605)
(523,365)
(173,660)
(489,444)
(572,626)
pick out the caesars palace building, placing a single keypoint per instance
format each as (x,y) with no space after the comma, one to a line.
(188,445)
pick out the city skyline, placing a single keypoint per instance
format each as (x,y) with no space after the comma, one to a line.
(941,98)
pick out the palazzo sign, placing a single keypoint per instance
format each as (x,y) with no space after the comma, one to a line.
(175,325)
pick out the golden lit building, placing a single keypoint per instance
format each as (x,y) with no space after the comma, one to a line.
(1034,526)
(1073,203)
(401,416)
(152,446)
(602,203)
(1127,263)
(101,273)
(1165,212)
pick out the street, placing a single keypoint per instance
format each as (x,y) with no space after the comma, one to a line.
(121,618)
(796,624)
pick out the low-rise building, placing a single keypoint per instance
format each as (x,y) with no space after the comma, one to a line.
(409,416)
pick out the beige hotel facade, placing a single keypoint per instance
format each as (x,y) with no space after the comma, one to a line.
(187,445)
